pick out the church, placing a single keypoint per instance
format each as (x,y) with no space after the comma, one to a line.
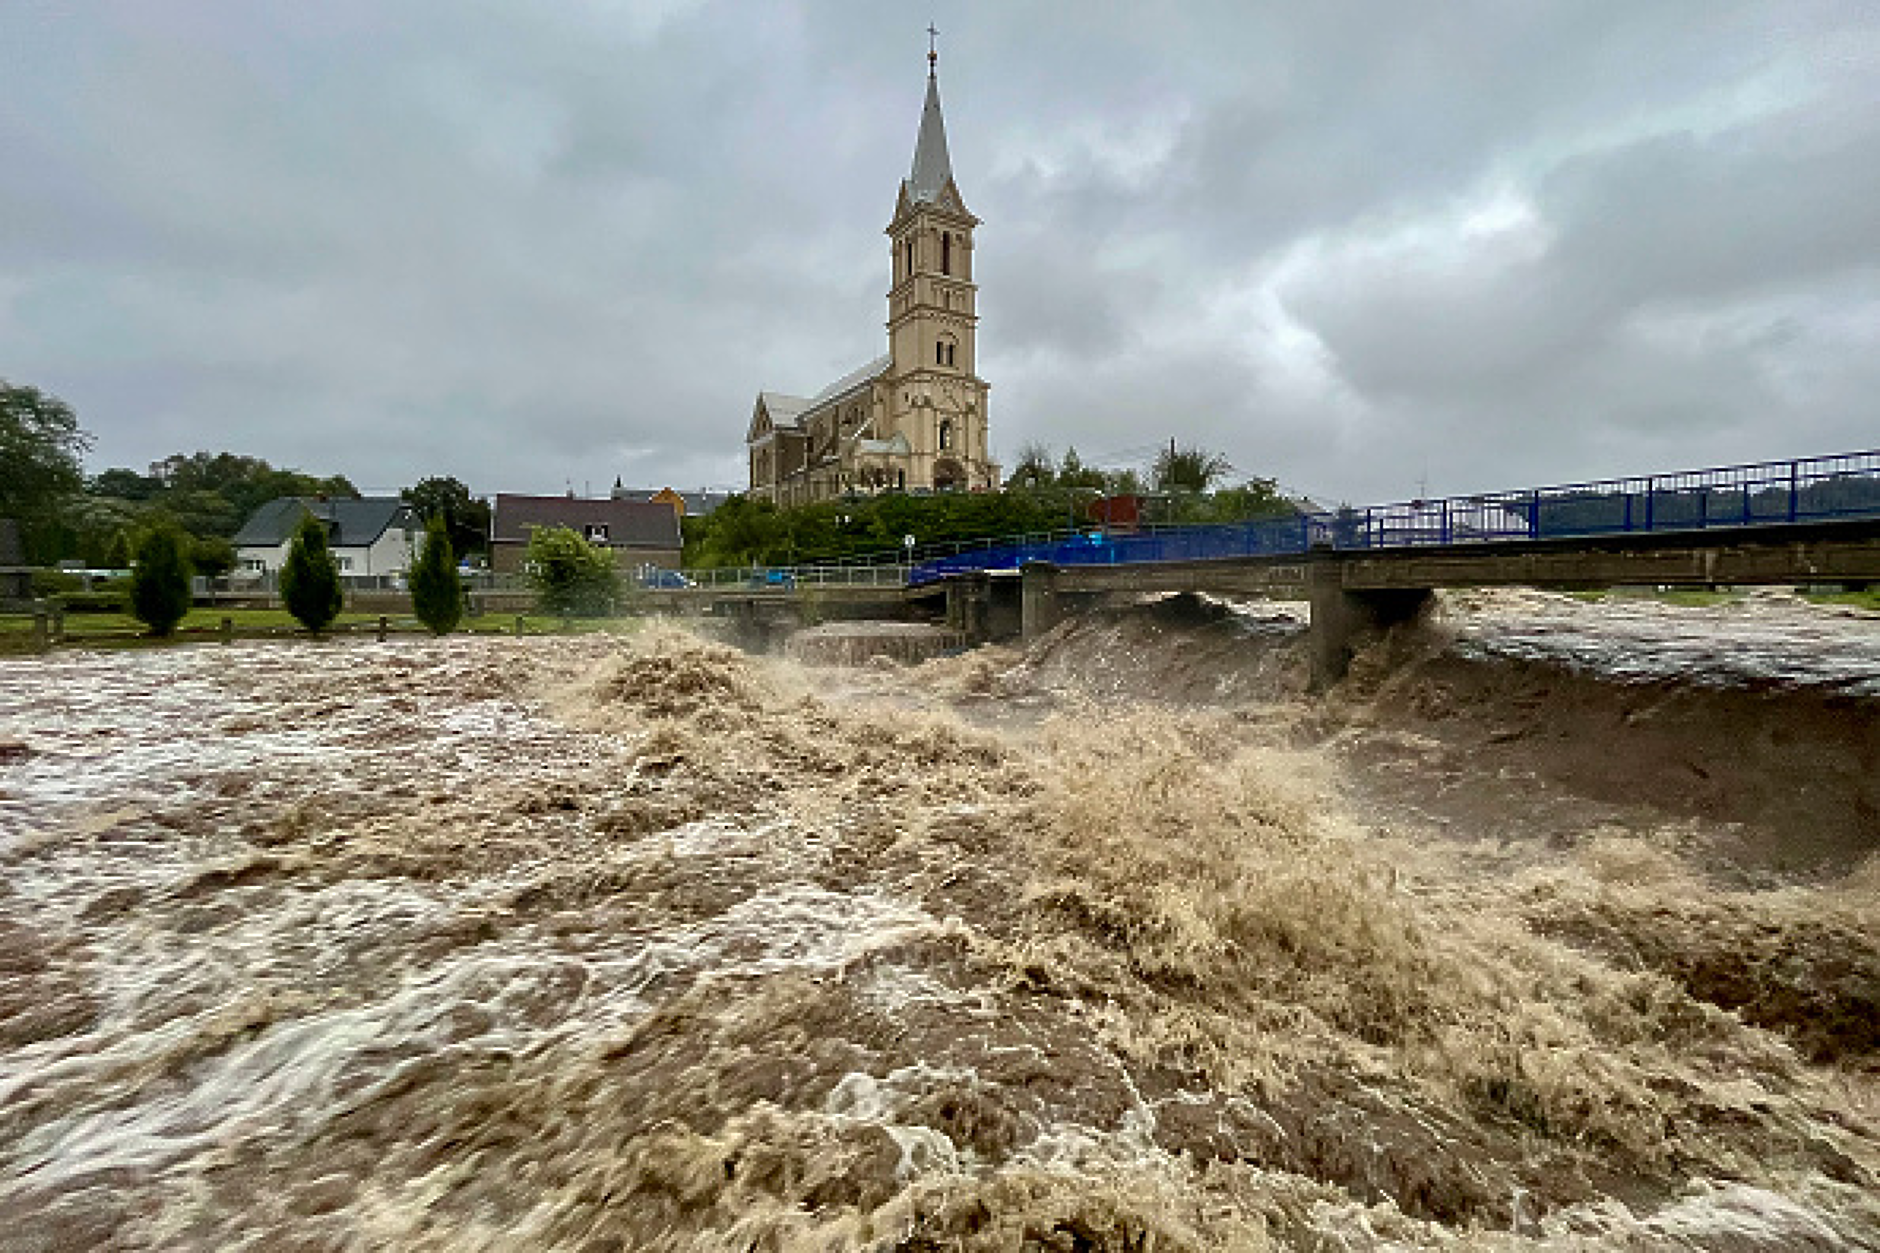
(914,419)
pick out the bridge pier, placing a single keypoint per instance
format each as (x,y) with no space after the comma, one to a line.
(1343,620)
(969,606)
(1040,608)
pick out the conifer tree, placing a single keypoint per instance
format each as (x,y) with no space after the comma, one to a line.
(309,579)
(160,595)
(436,593)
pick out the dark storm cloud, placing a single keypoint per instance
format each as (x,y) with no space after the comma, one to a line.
(1349,246)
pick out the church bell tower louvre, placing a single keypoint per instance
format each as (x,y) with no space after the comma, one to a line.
(914,419)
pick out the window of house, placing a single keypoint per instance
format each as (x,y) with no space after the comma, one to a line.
(344,563)
(597,532)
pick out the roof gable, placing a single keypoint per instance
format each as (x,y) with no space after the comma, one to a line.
(774,411)
(349,523)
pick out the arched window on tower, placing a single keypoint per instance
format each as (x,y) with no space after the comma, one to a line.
(909,249)
(946,252)
(946,434)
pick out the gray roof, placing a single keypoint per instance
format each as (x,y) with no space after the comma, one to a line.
(629,523)
(932,171)
(350,523)
(853,379)
(697,504)
(783,409)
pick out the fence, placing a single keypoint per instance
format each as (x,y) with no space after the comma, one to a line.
(1813,489)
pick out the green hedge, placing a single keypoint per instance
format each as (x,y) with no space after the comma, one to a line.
(106,600)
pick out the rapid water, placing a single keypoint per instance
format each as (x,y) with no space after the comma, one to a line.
(648,944)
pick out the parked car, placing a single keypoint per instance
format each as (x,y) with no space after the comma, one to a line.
(664,579)
(782,579)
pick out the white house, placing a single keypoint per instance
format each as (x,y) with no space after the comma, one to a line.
(373,536)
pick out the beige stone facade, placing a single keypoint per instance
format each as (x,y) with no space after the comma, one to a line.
(914,419)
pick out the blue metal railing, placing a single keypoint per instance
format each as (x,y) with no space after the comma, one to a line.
(1811,489)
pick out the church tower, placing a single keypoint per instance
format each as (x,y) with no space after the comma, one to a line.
(913,420)
(936,399)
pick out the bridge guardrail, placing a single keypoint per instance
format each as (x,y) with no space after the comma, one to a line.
(1809,489)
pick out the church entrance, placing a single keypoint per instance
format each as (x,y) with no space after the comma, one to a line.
(948,475)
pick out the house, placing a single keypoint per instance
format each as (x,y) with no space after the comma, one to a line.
(371,537)
(914,418)
(690,505)
(639,532)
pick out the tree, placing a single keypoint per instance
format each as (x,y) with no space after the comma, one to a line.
(436,594)
(40,448)
(1188,469)
(213,493)
(1256,498)
(124,484)
(571,576)
(212,555)
(1072,472)
(309,579)
(466,517)
(1033,468)
(160,580)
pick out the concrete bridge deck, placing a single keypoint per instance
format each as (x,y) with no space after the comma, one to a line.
(1353,592)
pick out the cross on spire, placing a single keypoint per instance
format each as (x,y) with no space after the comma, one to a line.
(933,57)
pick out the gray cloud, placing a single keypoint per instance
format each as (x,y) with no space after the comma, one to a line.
(531,244)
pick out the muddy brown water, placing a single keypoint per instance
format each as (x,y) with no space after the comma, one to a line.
(1554,929)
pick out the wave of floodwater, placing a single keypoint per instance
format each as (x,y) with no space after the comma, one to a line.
(1115,943)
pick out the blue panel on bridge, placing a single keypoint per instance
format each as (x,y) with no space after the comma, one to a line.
(1813,489)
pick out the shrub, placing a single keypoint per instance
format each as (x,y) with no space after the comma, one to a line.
(160,580)
(110,598)
(436,594)
(571,576)
(211,555)
(309,579)
(55,582)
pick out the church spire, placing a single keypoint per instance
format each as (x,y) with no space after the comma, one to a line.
(932,170)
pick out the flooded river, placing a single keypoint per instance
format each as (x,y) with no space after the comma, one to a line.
(1555,928)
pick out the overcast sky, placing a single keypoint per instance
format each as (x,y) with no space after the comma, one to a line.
(1374,250)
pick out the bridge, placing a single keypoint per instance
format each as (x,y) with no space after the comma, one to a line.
(1808,521)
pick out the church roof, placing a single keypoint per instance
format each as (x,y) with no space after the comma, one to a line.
(853,379)
(932,170)
(783,408)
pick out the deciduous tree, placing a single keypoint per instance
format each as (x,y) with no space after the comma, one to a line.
(40,450)
(467,517)
(572,577)
(1188,469)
